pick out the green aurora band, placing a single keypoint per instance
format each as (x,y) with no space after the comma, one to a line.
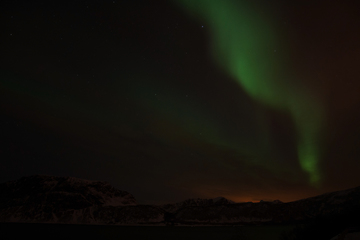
(245,44)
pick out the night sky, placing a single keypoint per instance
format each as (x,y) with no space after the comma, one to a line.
(246,99)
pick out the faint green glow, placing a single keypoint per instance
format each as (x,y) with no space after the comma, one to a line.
(308,163)
(245,43)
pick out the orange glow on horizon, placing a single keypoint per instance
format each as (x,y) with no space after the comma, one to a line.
(255,199)
(238,196)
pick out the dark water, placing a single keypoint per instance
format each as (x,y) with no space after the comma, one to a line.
(62,231)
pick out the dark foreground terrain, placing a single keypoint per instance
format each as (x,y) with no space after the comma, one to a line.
(49,207)
(69,231)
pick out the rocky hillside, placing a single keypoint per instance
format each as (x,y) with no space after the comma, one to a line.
(341,204)
(49,199)
(70,200)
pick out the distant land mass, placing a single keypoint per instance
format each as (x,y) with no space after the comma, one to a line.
(68,200)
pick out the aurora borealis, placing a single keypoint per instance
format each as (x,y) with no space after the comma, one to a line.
(245,44)
(244,99)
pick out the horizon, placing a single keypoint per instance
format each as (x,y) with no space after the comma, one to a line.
(190,198)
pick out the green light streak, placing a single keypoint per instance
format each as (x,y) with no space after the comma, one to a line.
(245,44)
